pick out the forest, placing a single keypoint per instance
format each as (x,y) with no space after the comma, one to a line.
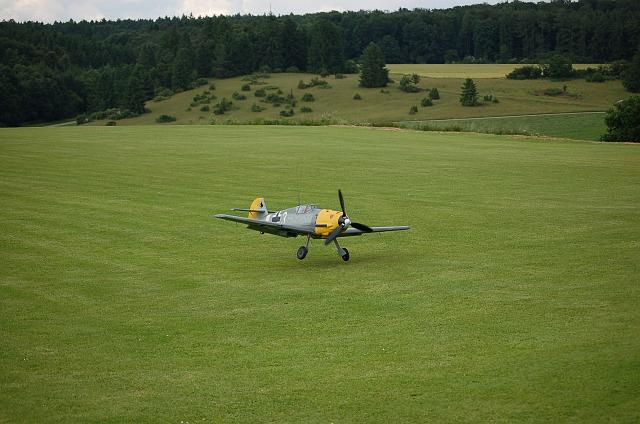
(55,71)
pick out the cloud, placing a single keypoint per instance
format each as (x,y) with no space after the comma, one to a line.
(209,7)
(63,10)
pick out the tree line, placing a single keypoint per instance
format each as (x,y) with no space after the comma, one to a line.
(55,71)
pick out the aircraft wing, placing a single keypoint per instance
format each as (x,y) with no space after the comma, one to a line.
(265,226)
(355,232)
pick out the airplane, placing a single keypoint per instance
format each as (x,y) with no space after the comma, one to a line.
(306,220)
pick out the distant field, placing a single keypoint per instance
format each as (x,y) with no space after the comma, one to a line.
(580,126)
(336,104)
(515,297)
(460,70)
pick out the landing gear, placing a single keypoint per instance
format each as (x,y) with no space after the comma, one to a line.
(345,257)
(303,250)
(344,253)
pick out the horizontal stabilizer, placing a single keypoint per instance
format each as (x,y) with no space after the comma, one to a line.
(250,210)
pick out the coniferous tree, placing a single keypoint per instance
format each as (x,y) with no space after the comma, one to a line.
(137,90)
(469,95)
(182,72)
(373,72)
(325,48)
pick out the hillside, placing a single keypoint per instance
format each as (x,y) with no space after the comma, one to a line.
(336,104)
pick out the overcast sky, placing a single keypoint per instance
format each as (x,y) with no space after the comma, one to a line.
(63,10)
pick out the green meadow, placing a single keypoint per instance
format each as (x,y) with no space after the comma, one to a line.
(574,125)
(515,297)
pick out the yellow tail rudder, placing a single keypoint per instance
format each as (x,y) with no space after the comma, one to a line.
(258,208)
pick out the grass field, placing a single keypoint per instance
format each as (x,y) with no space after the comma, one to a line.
(336,105)
(461,70)
(579,126)
(513,298)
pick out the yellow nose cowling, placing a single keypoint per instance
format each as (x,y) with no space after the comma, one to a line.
(326,221)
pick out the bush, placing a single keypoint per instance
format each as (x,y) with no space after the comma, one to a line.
(165,118)
(223,106)
(315,82)
(238,96)
(163,94)
(113,114)
(616,68)
(324,73)
(488,97)
(260,93)
(274,98)
(595,77)
(340,76)
(82,119)
(246,87)
(111,124)
(495,100)
(559,67)
(308,97)
(204,108)
(287,112)
(257,108)
(357,96)
(351,67)
(434,94)
(293,69)
(623,121)
(413,110)
(408,85)
(306,109)
(426,102)
(525,73)
(202,99)
(212,86)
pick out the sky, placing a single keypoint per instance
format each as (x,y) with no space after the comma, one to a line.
(63,10)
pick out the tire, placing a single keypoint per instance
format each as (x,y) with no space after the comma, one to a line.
(302,252)
(345,257)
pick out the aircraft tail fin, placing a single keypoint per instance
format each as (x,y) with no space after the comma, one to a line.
(258,209)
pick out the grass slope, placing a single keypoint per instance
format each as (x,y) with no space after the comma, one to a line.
(514,297)
(580,126)
(337,105)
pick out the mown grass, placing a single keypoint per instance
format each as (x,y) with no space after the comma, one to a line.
(336,105)
(462,70)
(514,297)
(586,126)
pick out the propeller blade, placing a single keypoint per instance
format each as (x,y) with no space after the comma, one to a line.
(344,212)
(333,234)
(361,227)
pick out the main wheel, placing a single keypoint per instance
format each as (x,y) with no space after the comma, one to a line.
(345,256)
(302,252)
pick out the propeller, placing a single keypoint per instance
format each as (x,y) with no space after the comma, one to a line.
(344,222)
